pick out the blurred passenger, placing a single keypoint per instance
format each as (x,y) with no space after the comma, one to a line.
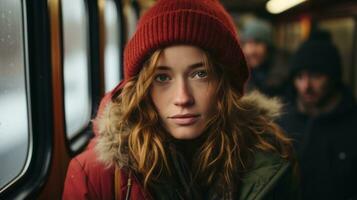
(322,119)
(267,75)
(178,126)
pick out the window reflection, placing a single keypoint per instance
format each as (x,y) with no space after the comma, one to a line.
(76,66)
(112,53)
(14,122)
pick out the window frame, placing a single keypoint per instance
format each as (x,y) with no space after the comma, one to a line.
(37,65)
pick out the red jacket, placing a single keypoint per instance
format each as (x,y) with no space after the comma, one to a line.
(87,178)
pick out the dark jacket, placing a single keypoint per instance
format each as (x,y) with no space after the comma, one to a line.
(271,76)
(327,149)
(270,177)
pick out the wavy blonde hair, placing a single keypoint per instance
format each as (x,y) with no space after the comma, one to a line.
(233,134)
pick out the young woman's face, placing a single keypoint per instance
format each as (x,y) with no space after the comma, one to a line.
(183,91)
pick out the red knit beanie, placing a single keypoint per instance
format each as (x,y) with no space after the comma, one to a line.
(202,23)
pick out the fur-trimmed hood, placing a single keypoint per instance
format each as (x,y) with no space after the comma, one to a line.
(108,147)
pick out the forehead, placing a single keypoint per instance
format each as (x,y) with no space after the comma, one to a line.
(253,41)
(311,73)
(181,55)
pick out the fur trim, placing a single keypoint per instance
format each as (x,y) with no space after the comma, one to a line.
(268,107)
(108,147)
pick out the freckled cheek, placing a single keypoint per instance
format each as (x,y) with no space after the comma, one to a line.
(208,98)
(161,98)
(154,97)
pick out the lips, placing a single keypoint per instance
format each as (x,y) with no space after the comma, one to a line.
(184,119)
(309,96)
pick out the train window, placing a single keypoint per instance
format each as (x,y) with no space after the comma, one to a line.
(112,50)
(290,35)
(15,134)
(342,31)
(293,36)
(76,70)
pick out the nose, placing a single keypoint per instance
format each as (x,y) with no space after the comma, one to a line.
(183,95)
(306,82)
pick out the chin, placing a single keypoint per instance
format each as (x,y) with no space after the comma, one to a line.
(186,134)
(310,102)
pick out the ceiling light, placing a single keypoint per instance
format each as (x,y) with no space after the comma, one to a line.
(278,6)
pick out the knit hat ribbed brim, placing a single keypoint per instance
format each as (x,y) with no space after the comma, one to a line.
(201,23)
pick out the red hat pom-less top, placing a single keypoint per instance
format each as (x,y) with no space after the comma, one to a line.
(202,23)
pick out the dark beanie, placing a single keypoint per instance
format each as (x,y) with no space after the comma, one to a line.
(202,23)
(318,54)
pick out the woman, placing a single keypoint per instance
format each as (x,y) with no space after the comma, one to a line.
(178,126)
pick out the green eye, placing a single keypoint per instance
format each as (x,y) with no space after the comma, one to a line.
(200,74)
(162,78)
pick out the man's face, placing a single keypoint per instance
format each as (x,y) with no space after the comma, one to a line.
(311,87)
(255,53)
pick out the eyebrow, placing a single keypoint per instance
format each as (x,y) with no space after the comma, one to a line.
(191,67)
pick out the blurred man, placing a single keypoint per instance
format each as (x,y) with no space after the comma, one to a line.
(322,119)
(258,48)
